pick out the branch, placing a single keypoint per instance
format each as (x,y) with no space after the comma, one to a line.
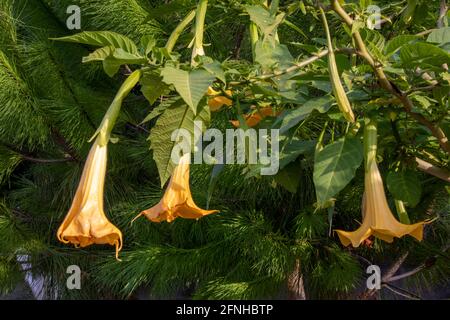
(388,85)
(406,274)
(46,160)
(431,169)
(26,156)
(402,292)
(296,286)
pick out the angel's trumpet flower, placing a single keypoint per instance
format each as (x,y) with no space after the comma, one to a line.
(338,89)
(177,200)
(86,222)
(378,219)
(217,101)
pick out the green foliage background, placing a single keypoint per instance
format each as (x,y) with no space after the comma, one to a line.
(50,105)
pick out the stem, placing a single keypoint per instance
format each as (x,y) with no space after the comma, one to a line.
(442,14)
(401,212)
(179,30)
(295,67)
(296,285)
(370,143)
(199,29)
(105,128)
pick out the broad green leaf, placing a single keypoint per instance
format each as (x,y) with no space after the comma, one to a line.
(175,117)
(440,36)
(294,148)
(374,41)
(102,39)
(396,43)
(153,86)
(290,150)
(99,55)
(335,166)
(291,118)
(264,20)
(163,106)
(113,58)
(405,186)
(273,56)
(191,85)
(111,66)
(147,44)
(216,70)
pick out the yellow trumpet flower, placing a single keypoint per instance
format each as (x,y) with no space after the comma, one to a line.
(378,219)
(86,223)
(217,101)
(177,200)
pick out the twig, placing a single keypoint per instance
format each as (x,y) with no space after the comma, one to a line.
(296,286)
(406,274)
(443,8)
(296,66)
(46,160)
(394,268)
(387,84)
(26,156)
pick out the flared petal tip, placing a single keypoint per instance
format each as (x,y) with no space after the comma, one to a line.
(349,238)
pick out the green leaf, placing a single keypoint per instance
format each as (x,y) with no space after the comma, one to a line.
(153,86)
(272,55)
(175,117)
(335,166)
(291,118)
(147,44)
(396,43)
(440,36)
(111,66)
(216,70)
(405,186)
(374,41)
(113,58)
(289,177)
(294,148)
(102,39)
(191,85)
(425,54)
